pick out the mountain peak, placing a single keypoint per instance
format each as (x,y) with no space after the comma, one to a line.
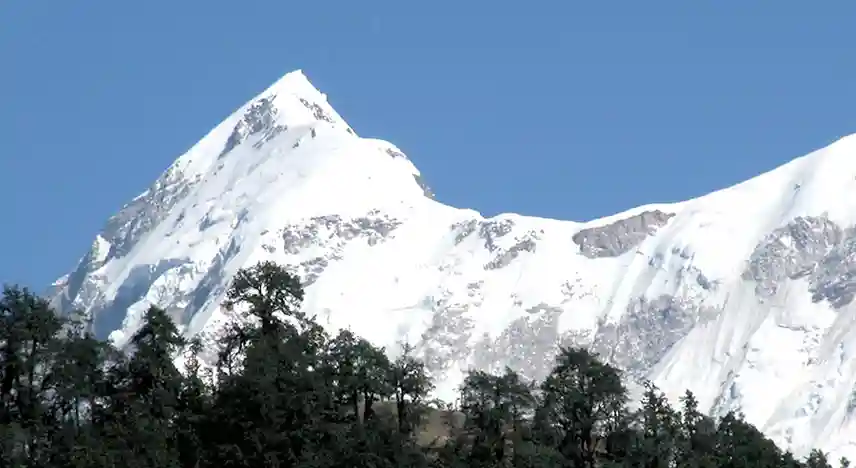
(292,101)
(290,126)
(297,83)
(746,296)
(284,156)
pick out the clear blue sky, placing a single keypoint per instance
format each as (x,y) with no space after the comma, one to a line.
(562,109)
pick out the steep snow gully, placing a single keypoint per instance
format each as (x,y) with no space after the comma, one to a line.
(745,295)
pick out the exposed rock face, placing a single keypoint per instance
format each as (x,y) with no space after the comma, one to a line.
(528,345)
(490,231)
(334,230)
(429,193)
(445,342)
(619,237)
(791,251)
(137,218)
(808,247)
(330,234)
(648,330)
(504,257)
(317,111)
(835,276)
(259,119)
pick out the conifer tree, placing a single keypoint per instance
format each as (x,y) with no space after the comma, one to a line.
(817,459)
(79,375)
(143,400)
(741,445)
(697,435)
(193,407)
(660,425)
(29,330)
(274,411)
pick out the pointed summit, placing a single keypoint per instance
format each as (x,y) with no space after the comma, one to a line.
(295,83)
(290,102)
(284,155)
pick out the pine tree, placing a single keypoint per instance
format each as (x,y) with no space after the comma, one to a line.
(274,411)
(29,331)
(660,426)
(817,459)
(697,435)
(193,406)
(78,373)
(741,445)
(143,403)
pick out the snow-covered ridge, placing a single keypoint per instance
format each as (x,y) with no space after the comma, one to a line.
(744,296)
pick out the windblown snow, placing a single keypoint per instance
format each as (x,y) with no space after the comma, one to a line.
(745,295)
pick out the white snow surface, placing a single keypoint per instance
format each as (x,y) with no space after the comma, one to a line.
(395,265)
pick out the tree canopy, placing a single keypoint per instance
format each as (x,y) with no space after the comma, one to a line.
(285,393)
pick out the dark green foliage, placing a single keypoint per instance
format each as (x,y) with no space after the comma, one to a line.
(282,393)
(29,332)
(583,402)
(496,408)
(138,420)
(360,372)
(410,386)
(657,442)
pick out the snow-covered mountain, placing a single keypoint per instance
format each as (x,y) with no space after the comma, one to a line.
(744,296)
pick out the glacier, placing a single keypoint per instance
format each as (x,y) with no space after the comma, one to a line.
(744,296)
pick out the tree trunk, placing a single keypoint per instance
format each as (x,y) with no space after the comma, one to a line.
(368,401)
(355,401)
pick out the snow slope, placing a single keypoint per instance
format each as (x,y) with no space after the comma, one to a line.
(744,296)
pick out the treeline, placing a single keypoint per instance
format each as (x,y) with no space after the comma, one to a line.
(284,393)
